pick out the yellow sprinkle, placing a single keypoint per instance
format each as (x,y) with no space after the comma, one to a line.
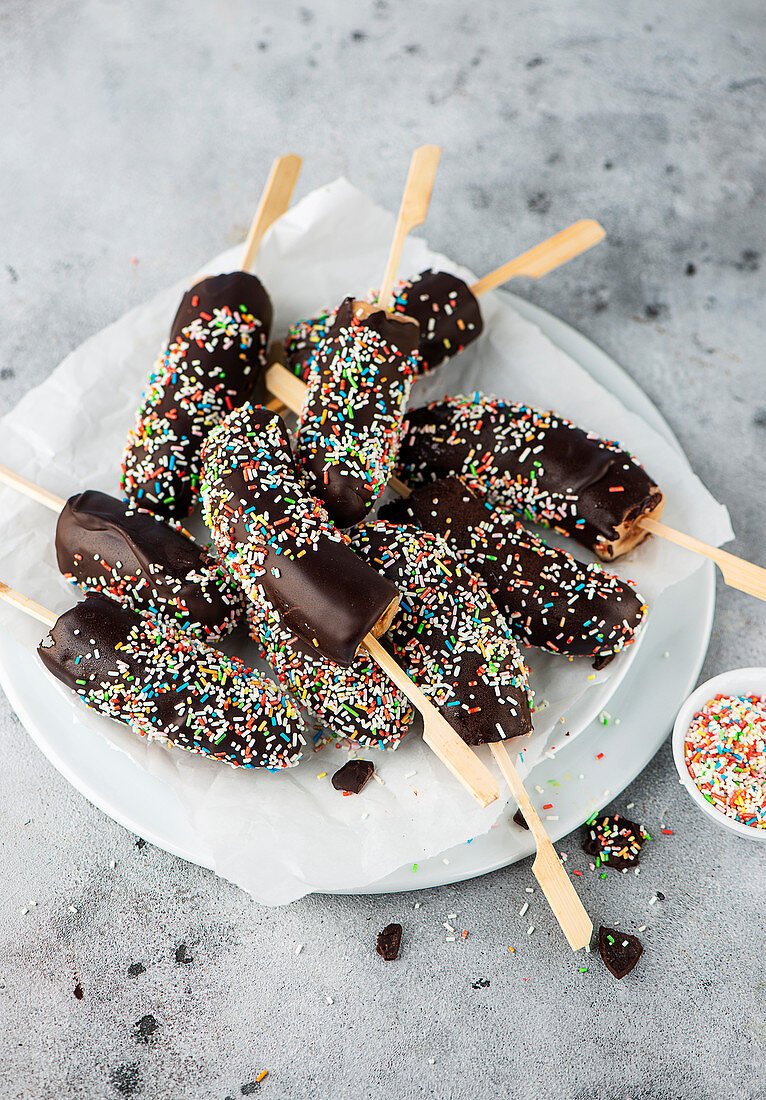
(321,775)
(592,676)
(261,1075)
(512,950)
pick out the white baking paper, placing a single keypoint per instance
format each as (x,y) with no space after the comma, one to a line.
(280,836)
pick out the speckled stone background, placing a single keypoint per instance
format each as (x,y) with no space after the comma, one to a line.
(135,139)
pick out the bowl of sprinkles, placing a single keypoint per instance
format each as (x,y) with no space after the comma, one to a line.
(719,746)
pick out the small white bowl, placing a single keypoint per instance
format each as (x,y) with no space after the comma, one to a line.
(738,681)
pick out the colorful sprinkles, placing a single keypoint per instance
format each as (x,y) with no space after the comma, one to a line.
(350,425)
(725,754)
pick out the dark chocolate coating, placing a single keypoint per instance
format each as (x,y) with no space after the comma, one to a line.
(549,599)
(537,464)
(272,534)
(447,312)
(443,305)
(215,354)
(104,545)
(449,636)
(168,685)
(351,421)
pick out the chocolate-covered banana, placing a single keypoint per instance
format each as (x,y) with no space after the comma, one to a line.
(443,305)
(214,357)
(549,599)
(536,463)
(350,425)
(145,563)
(272,534)
(165,684)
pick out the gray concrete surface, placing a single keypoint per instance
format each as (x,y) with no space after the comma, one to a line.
(135,139)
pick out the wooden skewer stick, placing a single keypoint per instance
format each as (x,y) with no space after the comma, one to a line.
(544,257)
(42,614)
(412,212)
(737,572)
(274,201)
(438,734)
(29,489)
(555,883)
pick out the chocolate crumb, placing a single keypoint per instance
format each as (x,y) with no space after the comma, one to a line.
(389,942)
(140,843)
(182,955)
(135,969)
(480,983)
(520,820)
(353,776)
(614,841)
(144,1029)
(619,950)
(78,992)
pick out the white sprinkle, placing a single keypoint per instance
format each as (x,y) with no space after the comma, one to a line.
(298,948)
(636,870)
(666,653)
(631,805)
(432,1061)
(451,916)
(529,889)
(30,902)
(530,930)
(642,928)
(563,857)
(607,793)
(445,861)
(540,790)
(417,904)
(449,939)
(617,721)
(587,948)
(448,927)
(550,754)
(581,775)
(72,908)
(652,900)
(551,817)
(24,912)
(365,815)
(624,943)
(524,908)
(409,775)
(329,1000)
(112,863)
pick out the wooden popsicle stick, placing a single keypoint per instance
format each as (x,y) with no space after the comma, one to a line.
(29,489)
(42,614)
(737,572)
(438,734)
(412,212)
(544,257)
(554,882)
(275,199)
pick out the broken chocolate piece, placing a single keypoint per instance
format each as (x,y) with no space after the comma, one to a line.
(520,820)
(389,941)
(614,841)
(353,776)
(619,950)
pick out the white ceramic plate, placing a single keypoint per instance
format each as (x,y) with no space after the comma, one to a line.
(680,626)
